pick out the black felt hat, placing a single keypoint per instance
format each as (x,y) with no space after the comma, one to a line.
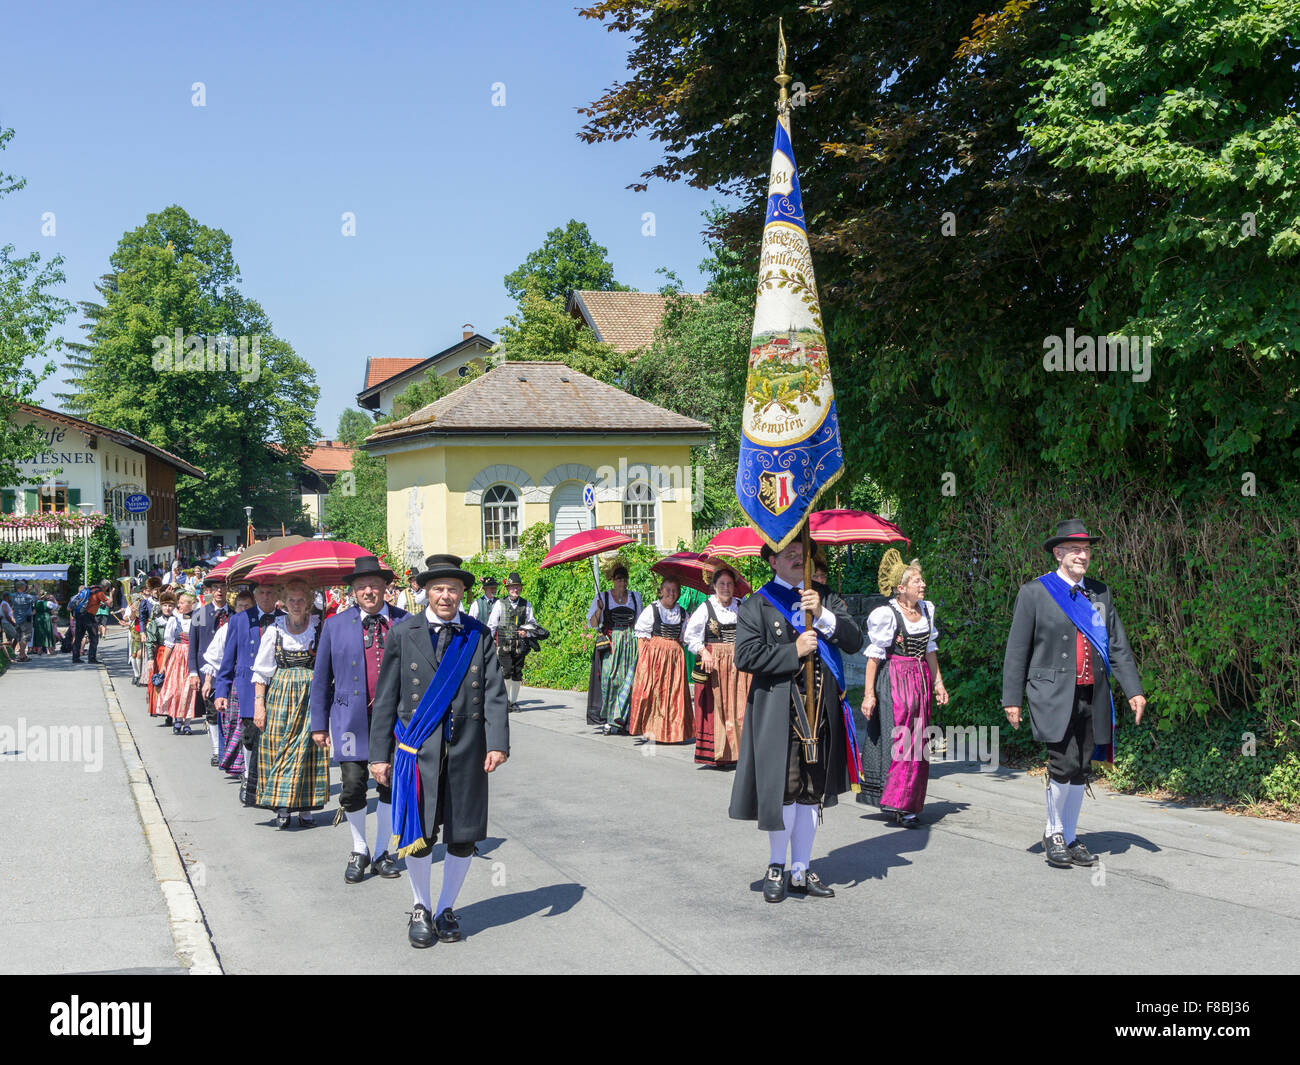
(489,582)
(1070,531)
(514,578)
(368,566)
(436,566)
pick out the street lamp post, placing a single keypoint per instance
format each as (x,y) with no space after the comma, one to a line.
(248,526)
(86,508)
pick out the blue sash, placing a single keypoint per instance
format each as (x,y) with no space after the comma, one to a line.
(408,832)
(1092,623)
(786,601)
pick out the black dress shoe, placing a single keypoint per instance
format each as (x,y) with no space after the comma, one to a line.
(420,929)
(385,866)
(356,870)
(1057,855)
(774,884)
(248,796)
(448,927)
(212,760)
(810,885)
(1080,855)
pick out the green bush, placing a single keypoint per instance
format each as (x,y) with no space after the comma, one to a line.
(561,597)
(105,554)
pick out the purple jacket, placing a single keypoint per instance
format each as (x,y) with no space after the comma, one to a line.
(338,684)
(242,642)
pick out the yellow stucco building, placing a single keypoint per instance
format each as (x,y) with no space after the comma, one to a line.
(517,446)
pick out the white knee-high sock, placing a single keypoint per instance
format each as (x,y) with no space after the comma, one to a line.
(779,842)
(1055,807)
(384,815)
(453,877)
(801,838)
(357,822)
(512,692)
(214,731)
(419,870)
(1070,815)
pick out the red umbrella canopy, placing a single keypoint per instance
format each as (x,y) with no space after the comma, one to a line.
(853,527)
(583,545)
(740,542)
(223,568)
(317,562)
(692,570)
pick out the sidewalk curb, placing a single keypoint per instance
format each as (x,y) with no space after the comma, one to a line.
(189,928)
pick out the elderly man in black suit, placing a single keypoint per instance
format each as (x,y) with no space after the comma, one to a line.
(1066,642)
(792,754)
(204,623)
(469,737)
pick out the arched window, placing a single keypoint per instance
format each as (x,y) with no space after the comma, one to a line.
(639,509)
(500,518)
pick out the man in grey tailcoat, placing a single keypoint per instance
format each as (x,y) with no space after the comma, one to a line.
(1066,642)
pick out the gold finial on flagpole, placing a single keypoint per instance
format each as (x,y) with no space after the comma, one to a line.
(782,78)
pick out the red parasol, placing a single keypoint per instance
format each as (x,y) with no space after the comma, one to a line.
(583,545)
(222,569)
(690,569)
(740,542)
(853,527)
(318,562)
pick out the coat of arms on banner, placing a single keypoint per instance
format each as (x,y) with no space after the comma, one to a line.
(776,490)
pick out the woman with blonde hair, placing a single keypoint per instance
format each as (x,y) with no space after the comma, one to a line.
(294,772)
(660,707)
(900,698)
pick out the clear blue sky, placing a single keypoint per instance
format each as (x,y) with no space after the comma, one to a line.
(313,109)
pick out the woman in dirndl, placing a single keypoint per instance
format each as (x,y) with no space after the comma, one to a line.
(720,699)
(660,708)
(180,699)
(42,628)
(293,772)
(900,698)
(231,756)
(155,654)
(613,660)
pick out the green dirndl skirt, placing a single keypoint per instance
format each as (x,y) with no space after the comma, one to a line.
(293,771)
(617,672)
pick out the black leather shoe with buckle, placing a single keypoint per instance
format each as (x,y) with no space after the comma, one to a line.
(448,927)
(356,870)
(420,929)
(1054,847)
(1080,855)
(774,884)
(385,866)
(809,884)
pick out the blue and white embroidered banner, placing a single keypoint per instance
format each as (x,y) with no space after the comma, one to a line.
(790,435)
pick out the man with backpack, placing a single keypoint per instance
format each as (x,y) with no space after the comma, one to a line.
(85,612)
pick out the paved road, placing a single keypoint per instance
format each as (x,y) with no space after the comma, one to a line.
(607,856)
(77,887)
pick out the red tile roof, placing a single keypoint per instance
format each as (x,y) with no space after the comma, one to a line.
(328,456)
(380,369)
(625,320)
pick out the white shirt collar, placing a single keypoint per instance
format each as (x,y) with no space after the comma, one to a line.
(382,611)
(433,618)
(786,584)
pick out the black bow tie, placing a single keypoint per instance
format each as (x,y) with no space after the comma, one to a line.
(373,628)
(451,626)
(1079,589)
(266,619)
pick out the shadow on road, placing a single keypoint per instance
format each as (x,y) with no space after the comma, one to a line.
(506,909)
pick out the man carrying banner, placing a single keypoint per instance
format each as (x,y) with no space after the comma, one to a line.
(798,740)
(440,727)
(1066,640)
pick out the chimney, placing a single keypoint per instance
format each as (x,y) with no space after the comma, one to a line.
(466,331)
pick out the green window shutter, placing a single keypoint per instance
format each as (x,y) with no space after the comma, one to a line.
(74,497)
(8,500)
(31,499)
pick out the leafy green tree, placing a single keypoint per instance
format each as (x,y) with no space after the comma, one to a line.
(354,426)
(242,414)
(433,387)
(29,313)
(543,331)
(568,259)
